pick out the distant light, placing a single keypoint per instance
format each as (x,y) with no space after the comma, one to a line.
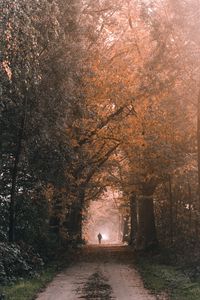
(104,237)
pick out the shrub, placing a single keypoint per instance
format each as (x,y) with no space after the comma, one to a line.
(17,261)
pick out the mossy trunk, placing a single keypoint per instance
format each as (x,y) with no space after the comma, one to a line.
(198,158)
(133,212)
(14,174)
(125,238)
(146,229)
(76,217)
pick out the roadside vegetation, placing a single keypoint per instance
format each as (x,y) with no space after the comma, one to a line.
(99,96)
(26,289)
(24,284)
(163,276)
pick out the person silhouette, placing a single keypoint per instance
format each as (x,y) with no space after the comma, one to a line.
(99,237)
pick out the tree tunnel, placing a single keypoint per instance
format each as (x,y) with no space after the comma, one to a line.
(109,216)
(121,220)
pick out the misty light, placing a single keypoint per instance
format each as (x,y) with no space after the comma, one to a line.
(104,217)
(105,237)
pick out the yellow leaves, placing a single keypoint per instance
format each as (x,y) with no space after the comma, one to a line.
(74,142)
(7,69)
(128,72)
(48,192)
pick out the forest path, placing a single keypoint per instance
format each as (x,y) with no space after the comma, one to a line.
(101,273)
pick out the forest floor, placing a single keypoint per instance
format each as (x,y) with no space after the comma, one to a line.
(101,273)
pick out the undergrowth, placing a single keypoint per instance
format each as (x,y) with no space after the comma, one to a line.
(175,280)
(27,288)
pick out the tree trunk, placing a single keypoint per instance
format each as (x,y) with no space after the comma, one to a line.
(76,217)
(146,234)
(171,222)
(190,206)
(71,221)
(80,214)
(125,229)
(56,210)
(11,228)
(198,145)
(198,153)
(133,212)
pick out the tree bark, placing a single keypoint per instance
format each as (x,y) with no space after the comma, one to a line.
(146,234)
(198,153)
(125,229)
(11,228)
(171,211)
(133,212)
(76,217)
(190,206)
(80,215)
(198,144)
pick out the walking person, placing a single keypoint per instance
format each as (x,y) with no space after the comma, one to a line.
(99,237)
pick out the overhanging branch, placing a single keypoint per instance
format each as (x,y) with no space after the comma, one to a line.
(100,163)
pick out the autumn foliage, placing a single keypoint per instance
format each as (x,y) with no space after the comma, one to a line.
(96,95)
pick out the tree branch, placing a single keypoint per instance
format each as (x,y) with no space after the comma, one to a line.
(100,163)
(102,124)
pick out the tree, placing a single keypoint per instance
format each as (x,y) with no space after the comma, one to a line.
(36,98)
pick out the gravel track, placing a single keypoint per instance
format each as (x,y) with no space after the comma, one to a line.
(100,273)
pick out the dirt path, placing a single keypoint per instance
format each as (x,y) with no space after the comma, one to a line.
(102,273)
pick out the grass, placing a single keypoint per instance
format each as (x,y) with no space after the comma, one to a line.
(165,278)
(26,289)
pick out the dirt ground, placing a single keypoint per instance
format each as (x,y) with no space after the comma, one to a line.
(100,273)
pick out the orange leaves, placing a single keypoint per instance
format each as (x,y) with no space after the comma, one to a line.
(7,69)
(133,66)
